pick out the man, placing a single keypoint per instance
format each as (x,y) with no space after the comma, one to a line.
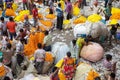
(113,32)
(3,27)
(39,58)
(47,41)
(59,17)
(25,4)
(69,9)
(35,14)
(11,25)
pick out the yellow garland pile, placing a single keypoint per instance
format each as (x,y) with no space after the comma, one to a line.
(94,18)
(46,23)
(34,39)
(115,14)
(50,16)
(66,22)
(21,15)
(81,19)
(76,11)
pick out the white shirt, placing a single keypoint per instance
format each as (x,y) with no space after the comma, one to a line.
(39,55)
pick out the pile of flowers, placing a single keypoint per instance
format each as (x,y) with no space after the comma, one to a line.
(10,12)
(115,14)
(46,23)
(21,15)
(94,18)
(50,16)
(81,19)
(66,22)
(34,39)
(49,57)
(76,11)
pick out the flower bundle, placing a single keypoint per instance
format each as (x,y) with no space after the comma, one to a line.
(50,16)
(94,18)
(81,19)
(34,39)
(49,57)
(46,23)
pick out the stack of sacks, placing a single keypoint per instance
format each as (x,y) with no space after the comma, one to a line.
(49,59)
(59,50)
(80,29)
(94,18)
(96,29)
(115,14)
(21,15)
(10,12)
(85,72)
(34,39)
(81,19)
(92,52)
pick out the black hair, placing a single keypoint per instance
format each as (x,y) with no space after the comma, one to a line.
(69,54)
(112,75)
(6,78)
(34,5)
(21,30)
(20,59)
(46,32)
(69,0)
(39,45)
(11,19)
(74,41)
(54,69)
(9,46)
(117,24)
(2,18)
(97,78)
(108,57)
(59,4)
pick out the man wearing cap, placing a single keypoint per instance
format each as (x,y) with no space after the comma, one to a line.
(113,31)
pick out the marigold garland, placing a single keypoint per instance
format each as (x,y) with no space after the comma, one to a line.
(46,23)
(94,18)
(49,57)
(50,16)
(34,39)
(81,19)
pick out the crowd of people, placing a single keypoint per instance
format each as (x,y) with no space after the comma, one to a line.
(12,58)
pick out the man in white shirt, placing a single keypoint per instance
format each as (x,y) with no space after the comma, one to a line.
(47,41)
(39,58)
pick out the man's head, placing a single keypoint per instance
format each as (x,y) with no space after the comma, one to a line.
(9,46)
(10,19)
(108,57)
(68,54)
(39,45)
(59,4)
(112,75)
(97,78)
(21,30)
(46,32)
(2,18)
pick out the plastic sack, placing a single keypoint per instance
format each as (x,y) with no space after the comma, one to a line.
(84,72)
(46,66)
(92,52)
(59,50)
(79,29)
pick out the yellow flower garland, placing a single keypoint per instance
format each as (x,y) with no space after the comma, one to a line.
(81,19)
